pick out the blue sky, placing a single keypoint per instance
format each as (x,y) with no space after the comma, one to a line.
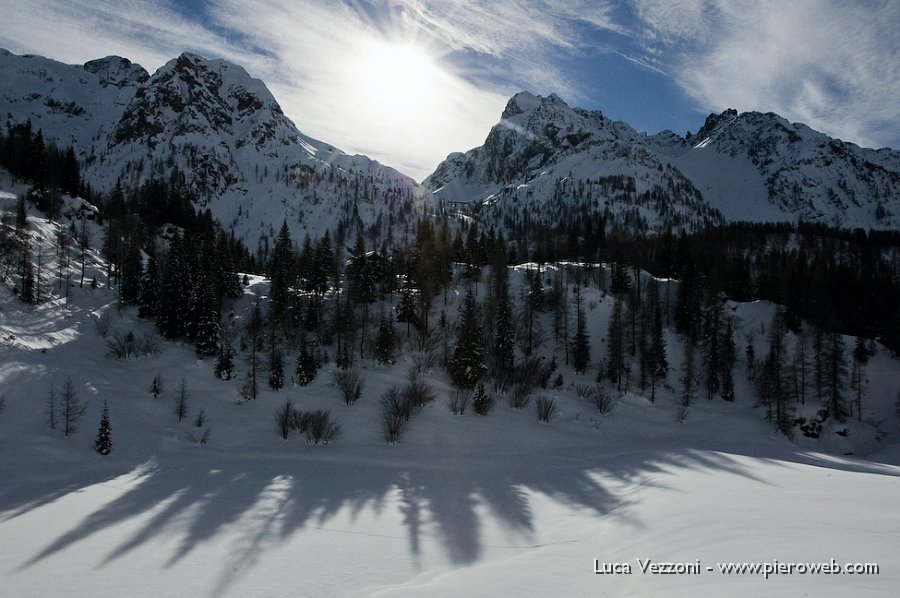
(409,81)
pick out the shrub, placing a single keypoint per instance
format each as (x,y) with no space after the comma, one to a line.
(600,397)
(317,425)
(418,393)
(459,400)
(284,419)
(350,385)
(320,428)
(546,409)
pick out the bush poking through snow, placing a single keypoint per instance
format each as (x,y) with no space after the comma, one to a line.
(350,385)
(320,428)
(418,393)
(459,400)
(546,409)
(396,409)
(317,425)
(597,395)
(128,345)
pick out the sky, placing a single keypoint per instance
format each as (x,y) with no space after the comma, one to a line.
(407,82)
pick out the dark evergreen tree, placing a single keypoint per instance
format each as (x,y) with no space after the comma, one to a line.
(657,360)
(481,401)
(773,381)
(504,332)
(615,343)
(208,335)
(307,366)
(534,303)
(103,444)
(149,288)
(225,359)
(386,341)
(467,364)
(581,346)
(276,371)
(181,401)
(861,355)
(281,272)
(156,385)
(834,383)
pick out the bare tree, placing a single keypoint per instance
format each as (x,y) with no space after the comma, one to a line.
(71,407)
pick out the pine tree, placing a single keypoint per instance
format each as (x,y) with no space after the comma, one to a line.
(181,401)
(103,444)
(834,383)
(156,385)
(276,371)
(689,374)
(467,363)
(657,361)
(861,357)
(533,303)
(773,382)
(481,401)
(581,346)
(307,366)
(281,272)
(207,342)
(504,334)
(615,359)
(386,341)
(225,359)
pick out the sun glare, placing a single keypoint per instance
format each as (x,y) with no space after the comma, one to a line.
(398,81)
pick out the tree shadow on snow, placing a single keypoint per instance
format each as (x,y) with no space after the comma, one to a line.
(434,498)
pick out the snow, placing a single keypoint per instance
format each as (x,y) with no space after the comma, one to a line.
(462,505)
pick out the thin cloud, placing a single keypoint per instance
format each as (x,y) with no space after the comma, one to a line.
(832,65)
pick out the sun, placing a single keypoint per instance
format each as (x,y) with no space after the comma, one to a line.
(398,81)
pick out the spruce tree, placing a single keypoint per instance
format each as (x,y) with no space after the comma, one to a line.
(504,334)
(615,359)
(658,363)
(467,364)
(307,366)
(581,347)
(386,341)
(103,444)
(225,359)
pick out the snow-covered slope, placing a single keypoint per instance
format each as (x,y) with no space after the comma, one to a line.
(550,159)
(500,505)
(758,166)
(213,128)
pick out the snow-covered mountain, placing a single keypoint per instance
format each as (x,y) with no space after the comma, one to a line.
(544,156)
(547,161)
(212,127)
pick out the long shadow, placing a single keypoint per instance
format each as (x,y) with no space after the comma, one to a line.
(447,498)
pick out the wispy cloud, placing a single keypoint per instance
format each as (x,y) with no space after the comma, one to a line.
(831,64)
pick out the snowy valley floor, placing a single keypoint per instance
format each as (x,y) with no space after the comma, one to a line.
(463,506)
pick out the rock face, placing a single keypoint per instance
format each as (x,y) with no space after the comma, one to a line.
(545,157)
(211,127)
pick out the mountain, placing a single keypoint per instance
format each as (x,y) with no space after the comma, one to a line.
(545,161)
(547,158)
(213,129)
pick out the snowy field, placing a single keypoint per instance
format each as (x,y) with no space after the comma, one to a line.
(462,506)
